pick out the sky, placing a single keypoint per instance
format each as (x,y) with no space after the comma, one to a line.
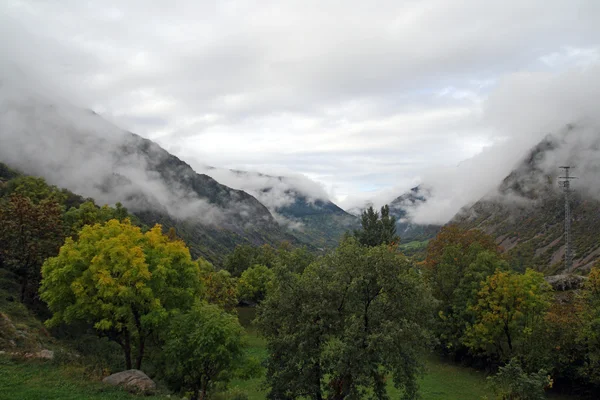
(365,98)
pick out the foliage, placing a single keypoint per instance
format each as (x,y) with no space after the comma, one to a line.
(509,315)
(350,320)
(36,189)
(589,330)
(255,283)
(219,286)
(203,346)
(464,240)
(512,383)
(29,233)
(245,256)
(123,281)
(90,214)
(377,229)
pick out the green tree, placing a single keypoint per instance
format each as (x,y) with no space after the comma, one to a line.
(203,346)
(255,283)
(509,316)
(457,262)
(376,229)
(512,383)
(123,281)
(220,287)
(245,256)
(36,189)
(358,315)
(589,329)
(29,233)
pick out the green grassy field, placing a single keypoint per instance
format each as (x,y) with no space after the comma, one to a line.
(39,380)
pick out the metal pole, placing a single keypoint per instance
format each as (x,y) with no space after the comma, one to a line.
(566,184)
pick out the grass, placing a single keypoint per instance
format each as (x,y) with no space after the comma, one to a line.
(36,380)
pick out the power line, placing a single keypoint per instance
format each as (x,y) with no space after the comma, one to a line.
(566,185)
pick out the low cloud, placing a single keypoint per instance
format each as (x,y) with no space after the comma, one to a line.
(522,111)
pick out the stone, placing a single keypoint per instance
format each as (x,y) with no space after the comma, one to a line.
(132,380)
(46,354)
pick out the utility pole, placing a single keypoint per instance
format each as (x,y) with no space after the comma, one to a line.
(566,185)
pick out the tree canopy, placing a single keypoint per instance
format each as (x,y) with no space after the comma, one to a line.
(358,315)
(121,280)
(203,346)
(377,229)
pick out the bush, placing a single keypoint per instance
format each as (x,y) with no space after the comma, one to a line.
(512,383)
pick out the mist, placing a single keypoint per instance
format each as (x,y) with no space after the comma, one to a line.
(523,110)
(42,134)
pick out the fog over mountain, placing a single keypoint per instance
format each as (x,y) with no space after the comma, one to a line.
(523,110)
(367,102)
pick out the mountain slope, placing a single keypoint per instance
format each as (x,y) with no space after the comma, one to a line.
(299,204)
(77,149)
(400,208)
(526,215)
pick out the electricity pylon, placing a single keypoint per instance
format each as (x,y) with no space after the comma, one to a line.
(566,185)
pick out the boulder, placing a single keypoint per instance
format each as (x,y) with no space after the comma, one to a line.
(132,380)
(565,282)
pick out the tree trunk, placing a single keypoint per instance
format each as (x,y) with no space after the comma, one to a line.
(508,338)
(142,338)
(140,356)
(24,282)
(195,394)
(203,396)
(127,350)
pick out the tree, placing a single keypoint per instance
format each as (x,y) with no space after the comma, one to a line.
(509,315)
(358,315)
(36,189)
(377,230)
(464,240)
(125,282)
(29,233)
(245,256)
(203,346)
(255,283)
(589,330)
(512,383)
(457,262)
(88,213)
(220,287)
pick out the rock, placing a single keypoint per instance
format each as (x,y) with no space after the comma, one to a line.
(46,354)
(132,380)
(566,281)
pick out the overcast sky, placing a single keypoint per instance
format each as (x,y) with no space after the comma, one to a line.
(362,96)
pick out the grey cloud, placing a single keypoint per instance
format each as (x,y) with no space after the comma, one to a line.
(523,110)
(342,92)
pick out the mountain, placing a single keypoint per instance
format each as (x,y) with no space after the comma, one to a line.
(79,150)
(297,203)
(526,213)
(400,208)
(319,222)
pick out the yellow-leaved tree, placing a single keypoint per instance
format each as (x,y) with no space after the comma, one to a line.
(123,281)
(509,316)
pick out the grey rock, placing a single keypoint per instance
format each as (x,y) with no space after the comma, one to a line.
(132,380)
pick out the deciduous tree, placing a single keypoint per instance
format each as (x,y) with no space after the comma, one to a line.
(29,233)
(203,346)
(123,281)
(509,315)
